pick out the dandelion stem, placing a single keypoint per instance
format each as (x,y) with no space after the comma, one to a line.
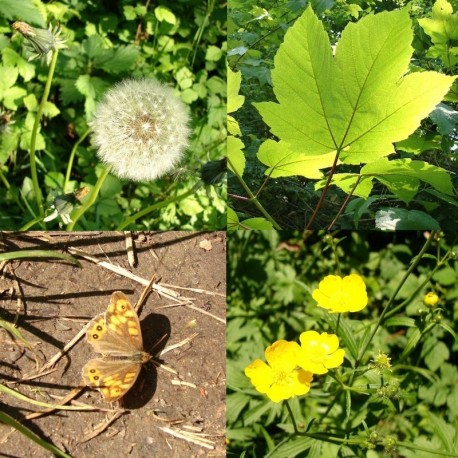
(157,206)
(71,158)
(33,140)
(76,215)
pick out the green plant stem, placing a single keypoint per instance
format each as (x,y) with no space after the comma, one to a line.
(71,159)
(210,6)
(253,198)
(157,206)
(29,224)
(325,190)
(412,267)
(8,187)
(76,215)
(33,140)
(345,203)
(420,287)
(293,420)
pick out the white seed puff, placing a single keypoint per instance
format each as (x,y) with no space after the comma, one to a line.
(141,129)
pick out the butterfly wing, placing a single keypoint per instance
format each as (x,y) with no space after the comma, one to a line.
(113,378)
(118,331)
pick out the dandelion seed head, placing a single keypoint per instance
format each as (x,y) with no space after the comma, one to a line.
(141,129)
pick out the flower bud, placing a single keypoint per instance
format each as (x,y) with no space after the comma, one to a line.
(41,41)
(431,299)
(141,129)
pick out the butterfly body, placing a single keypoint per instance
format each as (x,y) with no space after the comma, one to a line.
(116,334)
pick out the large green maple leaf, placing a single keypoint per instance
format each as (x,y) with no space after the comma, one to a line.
(355,103)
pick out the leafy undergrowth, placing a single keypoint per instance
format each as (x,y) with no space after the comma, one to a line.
(181,44)
(362,109)
(396,389)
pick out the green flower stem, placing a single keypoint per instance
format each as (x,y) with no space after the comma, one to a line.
(412,267)
(76,215)
(71,159)
(253,198)
(293,420)
(157,206)
(33,140)
(204,23)
(402,305)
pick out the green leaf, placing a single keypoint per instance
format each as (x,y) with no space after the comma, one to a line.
(438,355)
(260,224)
(117,60)
(37,254)
(322,5)
(188,96)
(347,181)
(10,421)
(232,219)
(93,46)
(402,176)
(190,206)
(234,100)
(416,144)
(400,321)
(448,199)
(401,219)
(233,126)
(30,102)
(13,59)
(445,117)
(50,110)
(445,276)
(443,30)
(444,431)
(412,341)
(213,53)
(358,102)
(8,77)
(26,138)
(23,10)
(235,155)
(164,14)
(284,161)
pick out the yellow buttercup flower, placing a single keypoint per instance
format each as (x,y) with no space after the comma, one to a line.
(340,295)
(319,352)
(279,379)
(431,299)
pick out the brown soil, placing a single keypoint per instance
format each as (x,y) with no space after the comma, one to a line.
(53,300)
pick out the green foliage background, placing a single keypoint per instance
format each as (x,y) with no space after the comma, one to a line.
(181,43)
(256,30)
(271,276)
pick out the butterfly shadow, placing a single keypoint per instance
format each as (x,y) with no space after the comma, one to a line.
(156,330)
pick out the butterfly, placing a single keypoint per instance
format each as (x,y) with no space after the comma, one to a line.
(116,334)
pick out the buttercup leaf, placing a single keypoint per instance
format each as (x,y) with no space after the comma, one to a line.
(357,102)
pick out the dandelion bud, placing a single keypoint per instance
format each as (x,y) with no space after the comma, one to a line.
(141,129)
(41,41)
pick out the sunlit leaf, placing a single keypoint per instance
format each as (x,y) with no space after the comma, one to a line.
(358,102)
